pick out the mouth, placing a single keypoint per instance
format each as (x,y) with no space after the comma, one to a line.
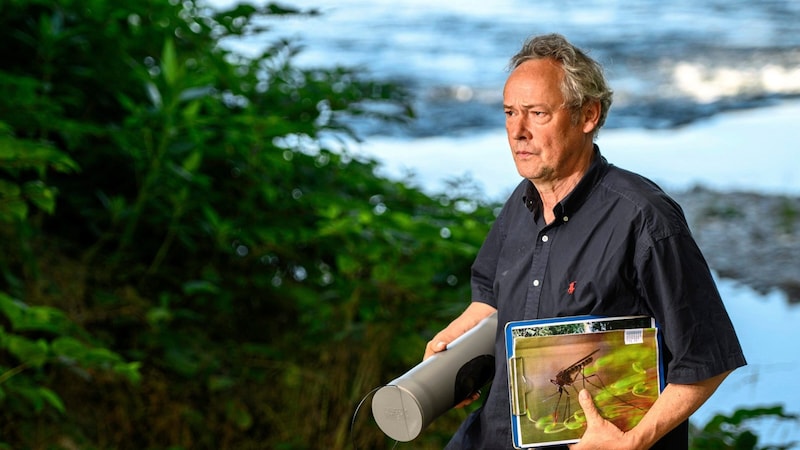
(524,154)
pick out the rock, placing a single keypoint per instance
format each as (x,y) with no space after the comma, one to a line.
(748,237)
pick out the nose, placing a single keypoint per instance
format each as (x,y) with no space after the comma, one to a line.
(517,129)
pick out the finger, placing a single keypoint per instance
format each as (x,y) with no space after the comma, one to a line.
(589,409)
(434,347)
(473,397)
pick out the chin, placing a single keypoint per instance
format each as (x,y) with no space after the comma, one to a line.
(529,172)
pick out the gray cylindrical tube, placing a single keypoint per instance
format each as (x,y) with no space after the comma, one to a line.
(408,404)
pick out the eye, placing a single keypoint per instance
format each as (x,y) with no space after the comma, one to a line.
(540,117)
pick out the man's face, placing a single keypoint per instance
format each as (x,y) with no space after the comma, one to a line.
(546,143)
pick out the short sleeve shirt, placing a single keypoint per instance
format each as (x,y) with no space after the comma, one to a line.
(618,246)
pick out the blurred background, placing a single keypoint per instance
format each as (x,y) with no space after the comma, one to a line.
(670,64)
(225,223)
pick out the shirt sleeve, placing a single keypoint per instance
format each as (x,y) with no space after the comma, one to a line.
(484,267)
(677,285)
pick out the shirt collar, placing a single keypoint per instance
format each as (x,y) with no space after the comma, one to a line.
(574,199)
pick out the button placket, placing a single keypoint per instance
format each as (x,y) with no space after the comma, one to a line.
(537,272)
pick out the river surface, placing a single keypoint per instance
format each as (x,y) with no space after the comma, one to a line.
(669,63)
(706,93)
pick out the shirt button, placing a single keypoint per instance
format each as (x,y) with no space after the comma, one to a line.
(545,238)
(565,219)
(536,282)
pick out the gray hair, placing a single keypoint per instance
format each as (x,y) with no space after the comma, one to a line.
(583,77)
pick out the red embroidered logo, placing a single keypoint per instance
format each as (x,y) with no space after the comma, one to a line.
(571,288)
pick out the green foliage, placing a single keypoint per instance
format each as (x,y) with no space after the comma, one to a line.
(191,256)
(735,432)
(39,336)
(22,156)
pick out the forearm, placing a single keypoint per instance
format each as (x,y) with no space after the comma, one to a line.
(676,403)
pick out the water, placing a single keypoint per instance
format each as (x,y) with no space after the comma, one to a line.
(753,150)
(706,92)
(670,63)
(767,328)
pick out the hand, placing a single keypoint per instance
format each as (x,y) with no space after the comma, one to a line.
(434,346)
(600,433)
(472,397)
(474,313)
(438,344)
(443,338)
(471,316)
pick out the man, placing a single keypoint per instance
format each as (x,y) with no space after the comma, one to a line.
(580,236)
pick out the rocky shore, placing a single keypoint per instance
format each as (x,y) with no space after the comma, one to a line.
(751,238)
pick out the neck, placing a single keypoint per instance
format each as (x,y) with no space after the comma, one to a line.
(553,191)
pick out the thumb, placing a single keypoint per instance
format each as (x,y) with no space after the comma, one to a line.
(589,409)
(433,347)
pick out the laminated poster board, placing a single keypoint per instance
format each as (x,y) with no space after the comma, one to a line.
(617,359)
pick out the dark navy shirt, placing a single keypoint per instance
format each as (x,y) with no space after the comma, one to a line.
(618,246)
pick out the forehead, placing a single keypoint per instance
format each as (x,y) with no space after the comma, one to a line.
(535,80)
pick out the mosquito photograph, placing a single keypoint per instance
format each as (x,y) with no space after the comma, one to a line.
(621,375)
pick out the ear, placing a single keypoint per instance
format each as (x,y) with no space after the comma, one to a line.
(590,116)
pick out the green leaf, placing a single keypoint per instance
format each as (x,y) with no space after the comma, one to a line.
(35,155)
(200,287)
(238,413)
(169,63)
(158,315)
(32,353)
(34,318)
(69,348)
(192,162)
(129,370)
(40,195)
(52,399)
